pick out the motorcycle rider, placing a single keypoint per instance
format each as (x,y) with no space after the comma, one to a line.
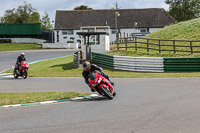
(89,68)
(20,58)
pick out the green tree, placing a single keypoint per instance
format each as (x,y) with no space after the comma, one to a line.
(82,7)
(45,22)
(23,14)
(182,10)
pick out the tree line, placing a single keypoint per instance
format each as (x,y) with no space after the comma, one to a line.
(182,10)
(26,14)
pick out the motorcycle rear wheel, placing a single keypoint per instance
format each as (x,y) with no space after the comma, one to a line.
(107,93)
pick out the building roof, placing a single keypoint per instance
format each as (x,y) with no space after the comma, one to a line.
(150,17)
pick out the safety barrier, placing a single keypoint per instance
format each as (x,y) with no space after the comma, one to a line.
(141,64)
(103,60)
(183,64)
(75,60)
(148,64)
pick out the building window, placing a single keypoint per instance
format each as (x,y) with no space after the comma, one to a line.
(114,31)
(143,30)
(68,32)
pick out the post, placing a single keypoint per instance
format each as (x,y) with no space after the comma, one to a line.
(85,43)
(174,45)
(117,41)
(159,47)
(191,47)
(126,41)
(147,45)
(52,36)
(135,44)
(89,48)
(78,60)
(120,36)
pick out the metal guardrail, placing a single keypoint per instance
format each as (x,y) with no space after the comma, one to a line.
(75,60)
(102,60)
(183,64)
(143,64)
(148,64)
(140,64)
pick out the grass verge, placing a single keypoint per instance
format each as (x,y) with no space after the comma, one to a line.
(19,46)
(30,97)
(143,53)
(63,67)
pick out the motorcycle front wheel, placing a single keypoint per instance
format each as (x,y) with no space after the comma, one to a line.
(25,74)
(107,93)
(15,74)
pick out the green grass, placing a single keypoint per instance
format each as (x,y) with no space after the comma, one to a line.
(142,53)
(30,97)
(19,46)
(188,30)
(63,67)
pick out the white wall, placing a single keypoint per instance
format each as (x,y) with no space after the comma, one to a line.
(26,40)
(112,36)
(60,45)
(99,48)
(154,29)
(64,40)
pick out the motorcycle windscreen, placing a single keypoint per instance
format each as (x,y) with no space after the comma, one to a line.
(92,76)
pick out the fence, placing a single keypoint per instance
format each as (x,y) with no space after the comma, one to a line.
(147,64)
(159,45)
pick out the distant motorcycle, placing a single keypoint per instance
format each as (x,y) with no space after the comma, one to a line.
(101,85)
(21,71)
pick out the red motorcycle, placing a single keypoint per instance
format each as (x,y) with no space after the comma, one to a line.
(21,71)
(101,85)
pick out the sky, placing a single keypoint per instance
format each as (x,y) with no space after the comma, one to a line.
(50,6)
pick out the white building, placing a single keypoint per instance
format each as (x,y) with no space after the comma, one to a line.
(68,23)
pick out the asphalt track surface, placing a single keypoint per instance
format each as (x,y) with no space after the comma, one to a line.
(7,59)
(141,106)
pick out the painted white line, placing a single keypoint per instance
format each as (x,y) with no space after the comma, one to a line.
(94,95)
(77,98)
(4,71)
(6,106)
(16,105)
(48,102)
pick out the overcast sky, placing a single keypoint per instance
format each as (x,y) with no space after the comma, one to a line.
(52,5)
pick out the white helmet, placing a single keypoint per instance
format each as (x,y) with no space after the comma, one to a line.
(22,54)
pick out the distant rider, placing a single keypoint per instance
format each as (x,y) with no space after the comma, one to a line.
(89,68)
(20,58)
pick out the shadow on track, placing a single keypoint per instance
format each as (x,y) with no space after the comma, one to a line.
(10,78)
(99,98)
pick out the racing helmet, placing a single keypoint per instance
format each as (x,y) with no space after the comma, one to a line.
(22,54)
(86,65)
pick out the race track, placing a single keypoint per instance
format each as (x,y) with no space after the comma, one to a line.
(7,59)
(141,106)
